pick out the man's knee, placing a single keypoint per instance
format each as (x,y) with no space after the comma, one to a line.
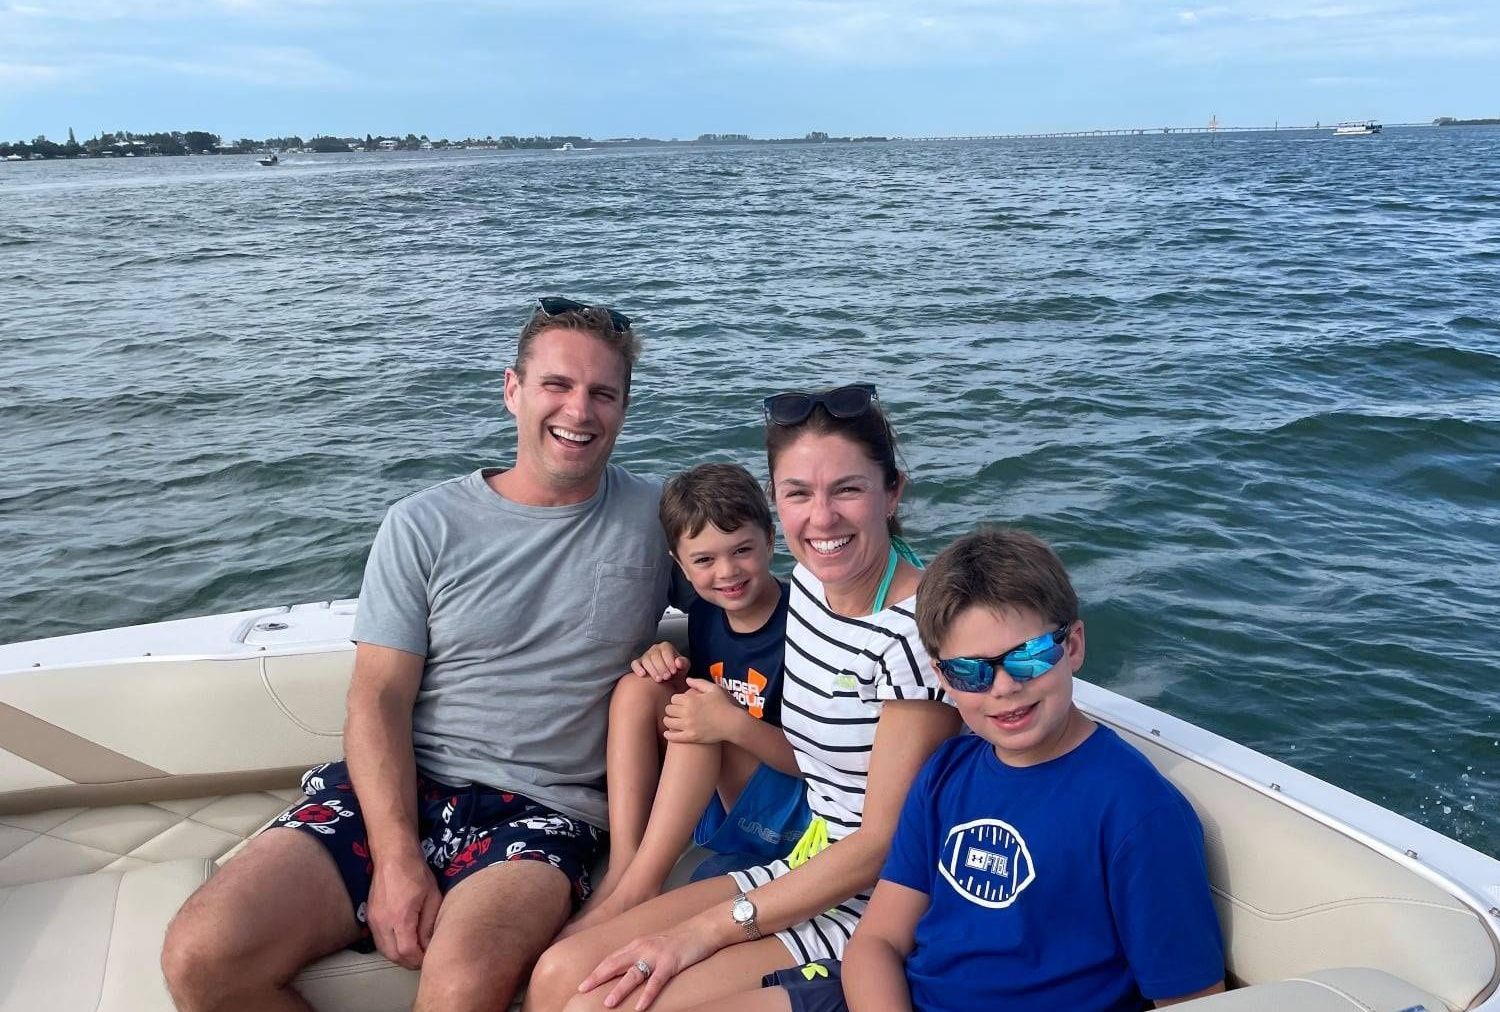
(469,982)
(195,957)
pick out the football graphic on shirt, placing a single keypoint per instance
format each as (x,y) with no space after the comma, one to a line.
(987,862)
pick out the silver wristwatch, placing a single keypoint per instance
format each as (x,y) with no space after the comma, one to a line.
(743,912)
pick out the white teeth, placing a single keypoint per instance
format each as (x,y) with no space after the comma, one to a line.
(831,546)
(570,435)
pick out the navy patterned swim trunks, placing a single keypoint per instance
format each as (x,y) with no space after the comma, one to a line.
(461,830)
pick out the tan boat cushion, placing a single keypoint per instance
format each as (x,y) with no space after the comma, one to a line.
(350,980)
(92,943)
(74,841)
(1343,990)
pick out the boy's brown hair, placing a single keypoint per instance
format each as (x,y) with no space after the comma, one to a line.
(996,568)
(720,494)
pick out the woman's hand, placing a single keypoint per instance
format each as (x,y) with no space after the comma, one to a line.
(666,954)
(704,714)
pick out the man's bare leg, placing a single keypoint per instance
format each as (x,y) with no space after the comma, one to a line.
(490,930)
(633,763)
(237,943)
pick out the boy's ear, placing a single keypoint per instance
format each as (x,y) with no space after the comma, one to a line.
(1075,645)
(939,672)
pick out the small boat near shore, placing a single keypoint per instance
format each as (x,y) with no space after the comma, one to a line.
(1365,129)
(268,161)
(134,761)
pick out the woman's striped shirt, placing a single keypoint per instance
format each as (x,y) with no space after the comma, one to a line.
(839,673)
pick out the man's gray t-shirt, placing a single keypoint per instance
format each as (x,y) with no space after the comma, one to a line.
(526,616)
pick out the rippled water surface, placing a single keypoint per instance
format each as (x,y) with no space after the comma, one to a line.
(1250,386)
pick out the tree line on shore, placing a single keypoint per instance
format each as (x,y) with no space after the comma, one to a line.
(201,142)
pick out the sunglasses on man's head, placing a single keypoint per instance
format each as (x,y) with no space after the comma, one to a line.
(1031,659)
(551,305)
(794,406)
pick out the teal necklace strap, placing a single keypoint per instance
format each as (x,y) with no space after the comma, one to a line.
(899,550)
(898,544)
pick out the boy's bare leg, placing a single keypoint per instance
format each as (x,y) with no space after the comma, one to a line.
(735,770)
(237,943)
(688,779)
(632,763)
(490,930)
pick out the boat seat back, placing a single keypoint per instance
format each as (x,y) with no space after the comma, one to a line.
(1295,897)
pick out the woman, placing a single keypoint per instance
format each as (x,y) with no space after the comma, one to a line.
(861,707)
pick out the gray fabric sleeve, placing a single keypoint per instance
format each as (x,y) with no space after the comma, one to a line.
(393,598)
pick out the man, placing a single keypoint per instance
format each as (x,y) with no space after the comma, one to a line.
(496,613)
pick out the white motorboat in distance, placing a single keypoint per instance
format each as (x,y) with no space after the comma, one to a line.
(134,761)
(1365,129)
(268,161)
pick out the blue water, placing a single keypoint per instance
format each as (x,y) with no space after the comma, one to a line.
(1249,386)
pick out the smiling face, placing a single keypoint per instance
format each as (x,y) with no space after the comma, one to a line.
(833,503)
(569,405)
(1028,722)
(733,571)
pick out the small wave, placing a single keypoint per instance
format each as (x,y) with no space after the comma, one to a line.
(1473,323)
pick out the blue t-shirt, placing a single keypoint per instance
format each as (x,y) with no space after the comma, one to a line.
(748,665)
(1079,883)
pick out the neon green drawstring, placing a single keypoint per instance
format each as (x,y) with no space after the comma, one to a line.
(814,841)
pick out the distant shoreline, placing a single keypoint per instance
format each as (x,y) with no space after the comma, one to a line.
(127,144)
(200,142)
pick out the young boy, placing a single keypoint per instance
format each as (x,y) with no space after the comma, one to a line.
(725,748)
(1040,862)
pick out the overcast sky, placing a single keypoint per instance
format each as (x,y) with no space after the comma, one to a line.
(678,68)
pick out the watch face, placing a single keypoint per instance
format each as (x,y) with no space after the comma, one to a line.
(742,911)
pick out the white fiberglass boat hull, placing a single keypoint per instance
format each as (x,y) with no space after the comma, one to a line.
(133,760)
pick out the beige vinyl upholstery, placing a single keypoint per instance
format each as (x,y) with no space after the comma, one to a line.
(1295,898)
(39,846)
(92,943)
(1341,990)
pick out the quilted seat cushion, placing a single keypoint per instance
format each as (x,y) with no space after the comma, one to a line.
(1349,989)
(92,943)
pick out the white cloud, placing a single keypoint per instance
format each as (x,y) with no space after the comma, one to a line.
(286,67)
(29,75)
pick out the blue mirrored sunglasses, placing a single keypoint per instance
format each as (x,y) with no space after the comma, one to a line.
(1031,659)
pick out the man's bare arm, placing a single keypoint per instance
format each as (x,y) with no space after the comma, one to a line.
(377,742)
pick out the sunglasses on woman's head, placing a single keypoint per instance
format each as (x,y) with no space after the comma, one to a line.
(551,305)
(794,406)
(1031,659)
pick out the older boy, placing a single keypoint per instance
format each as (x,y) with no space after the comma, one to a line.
(723,727)
(1041,862)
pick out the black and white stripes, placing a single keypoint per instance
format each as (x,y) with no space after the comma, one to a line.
(839,673)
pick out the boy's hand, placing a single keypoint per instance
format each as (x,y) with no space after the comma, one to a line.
(704,714)
(660,663)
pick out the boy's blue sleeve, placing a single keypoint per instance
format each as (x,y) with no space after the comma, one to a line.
(1158,892)
(910,861)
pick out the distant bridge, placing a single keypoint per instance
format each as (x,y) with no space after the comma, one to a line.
(1144,132)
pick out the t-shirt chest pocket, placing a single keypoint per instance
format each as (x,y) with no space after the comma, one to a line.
(625,603)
